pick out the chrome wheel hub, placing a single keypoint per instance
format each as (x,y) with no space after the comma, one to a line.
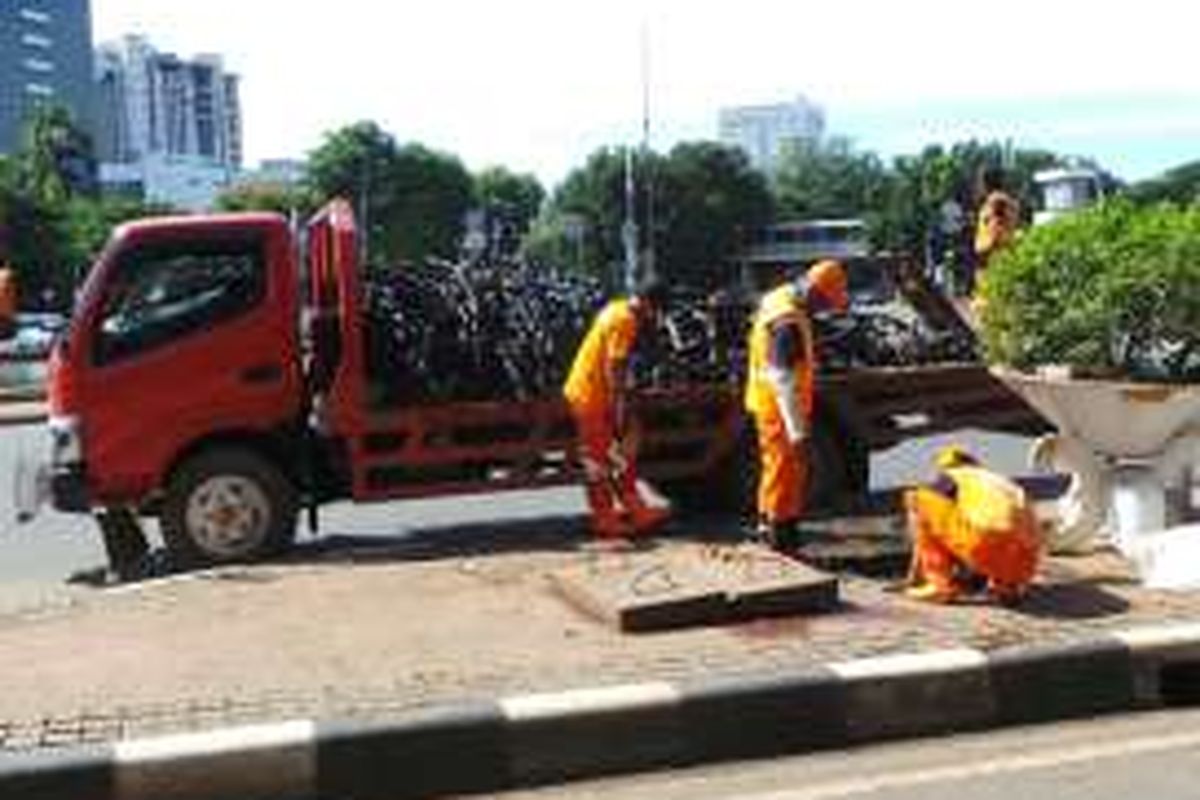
(228,516)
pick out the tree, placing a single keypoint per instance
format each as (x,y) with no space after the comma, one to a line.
(57,159)
(829,180)
(517,197)
(1177,185)
(705,200)
(410,200)
(267,196)
(432,193)
(356,162)
(594,195)
(709,202)
(910,215)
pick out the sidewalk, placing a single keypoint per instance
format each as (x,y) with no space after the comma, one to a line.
(370,633)
(369,636)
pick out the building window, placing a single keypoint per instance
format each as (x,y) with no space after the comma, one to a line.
(39,89)
(40,17)
(38,65)
(36,40)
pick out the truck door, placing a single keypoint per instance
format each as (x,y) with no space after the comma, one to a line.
(188,331)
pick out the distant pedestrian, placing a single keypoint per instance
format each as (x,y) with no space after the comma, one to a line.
(780,388)
(970,522)
(8,301)
(998,218)
(596,391)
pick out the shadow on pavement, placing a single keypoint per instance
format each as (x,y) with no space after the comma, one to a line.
(1071,601)
(556,534)
(560,534)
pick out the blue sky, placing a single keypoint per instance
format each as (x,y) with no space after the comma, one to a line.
(538,84)
(1134,136)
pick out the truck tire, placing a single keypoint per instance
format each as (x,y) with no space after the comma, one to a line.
(228,505)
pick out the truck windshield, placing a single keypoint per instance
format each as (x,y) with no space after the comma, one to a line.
(160,294)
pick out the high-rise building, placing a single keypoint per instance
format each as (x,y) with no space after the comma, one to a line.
(158,103)
(175,122)
(45,57)
(766,132)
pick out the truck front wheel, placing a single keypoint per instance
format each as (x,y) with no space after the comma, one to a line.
(228,505)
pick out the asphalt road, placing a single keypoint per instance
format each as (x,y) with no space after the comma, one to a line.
(53,546)
(1114,758)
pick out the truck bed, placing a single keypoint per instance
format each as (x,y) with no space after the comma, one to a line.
(688,432)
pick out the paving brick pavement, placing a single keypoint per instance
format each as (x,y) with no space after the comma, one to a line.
(370,634)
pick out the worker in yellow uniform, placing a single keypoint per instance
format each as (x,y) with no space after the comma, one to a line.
(780,393)
(8,301)
(999,216)
(596,391)
(971,521)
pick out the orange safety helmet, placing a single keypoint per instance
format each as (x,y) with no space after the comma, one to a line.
(829,278)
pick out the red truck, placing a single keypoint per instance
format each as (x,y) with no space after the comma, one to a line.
(213,375)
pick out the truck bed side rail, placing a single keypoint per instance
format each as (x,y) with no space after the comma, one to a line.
(483,446)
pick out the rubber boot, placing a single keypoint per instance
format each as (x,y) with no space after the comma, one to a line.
(605,522)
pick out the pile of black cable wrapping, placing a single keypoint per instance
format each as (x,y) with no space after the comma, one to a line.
(445,332)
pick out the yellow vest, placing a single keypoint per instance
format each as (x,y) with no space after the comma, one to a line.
(778,306)
(997,225)
(989,502)
(608,341)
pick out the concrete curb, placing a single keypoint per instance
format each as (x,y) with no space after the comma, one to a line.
(545,738)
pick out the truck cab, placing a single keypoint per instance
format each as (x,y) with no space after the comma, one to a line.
(183,336)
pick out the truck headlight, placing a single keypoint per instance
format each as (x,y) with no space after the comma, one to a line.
(66,441)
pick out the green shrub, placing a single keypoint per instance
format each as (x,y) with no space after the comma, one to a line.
(1112,290)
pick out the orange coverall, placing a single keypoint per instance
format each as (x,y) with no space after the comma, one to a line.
(610,471)
(783,469)
(987,525)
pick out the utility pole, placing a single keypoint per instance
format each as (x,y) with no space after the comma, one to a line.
(648,177)
(629,231)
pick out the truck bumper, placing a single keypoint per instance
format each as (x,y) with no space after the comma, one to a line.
(68,489)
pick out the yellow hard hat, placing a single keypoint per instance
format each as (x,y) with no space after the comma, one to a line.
(953,455)
(829,278)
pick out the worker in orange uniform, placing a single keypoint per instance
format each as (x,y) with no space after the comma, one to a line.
(999,216)
(780,393)
(971,521)
(596,391)
(8,301)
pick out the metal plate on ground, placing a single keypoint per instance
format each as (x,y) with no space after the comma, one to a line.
(679,586)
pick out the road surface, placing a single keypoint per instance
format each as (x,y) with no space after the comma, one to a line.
(54,546)
(1114,758)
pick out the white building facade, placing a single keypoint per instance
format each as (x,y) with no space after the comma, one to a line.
(766,132)
(176,122)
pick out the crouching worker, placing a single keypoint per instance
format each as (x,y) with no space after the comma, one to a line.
(780,393)
(970,522)
(596,391)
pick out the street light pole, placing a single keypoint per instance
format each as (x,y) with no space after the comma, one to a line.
(648,176)
(629,232)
